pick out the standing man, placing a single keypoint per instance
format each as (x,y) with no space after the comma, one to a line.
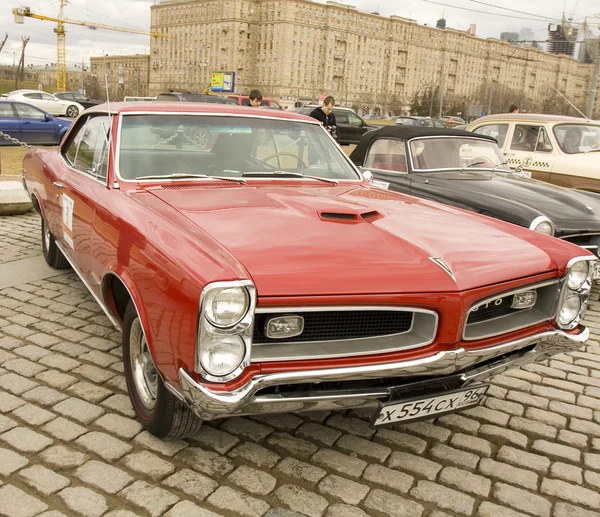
(325,116)
(255,98)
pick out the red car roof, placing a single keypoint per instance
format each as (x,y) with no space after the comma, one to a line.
(197,107)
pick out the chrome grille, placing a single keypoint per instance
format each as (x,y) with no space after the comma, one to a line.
(344,331)
(493,311)
(590,242)
(495,316)
(333,325)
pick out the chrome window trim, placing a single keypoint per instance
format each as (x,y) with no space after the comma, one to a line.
(590,234)
(481,138)
(503,295)
(80,172)
(116,164)
(383,338)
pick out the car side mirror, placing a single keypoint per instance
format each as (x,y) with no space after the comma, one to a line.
(368,175)
(47,117)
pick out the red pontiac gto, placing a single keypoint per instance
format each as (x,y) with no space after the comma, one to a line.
(253,270)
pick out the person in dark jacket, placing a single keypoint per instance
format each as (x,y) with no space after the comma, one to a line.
(325,116)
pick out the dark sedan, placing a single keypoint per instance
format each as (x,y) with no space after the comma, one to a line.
(29,124)
(80,98)
(466,170)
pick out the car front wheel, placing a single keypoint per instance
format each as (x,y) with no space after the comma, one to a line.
(72,111)
(52,254)
(157,409)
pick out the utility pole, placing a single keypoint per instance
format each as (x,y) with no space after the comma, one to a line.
(490,101)
(594,90)
(20,68)
(441,98)
(137,84)
(82,70)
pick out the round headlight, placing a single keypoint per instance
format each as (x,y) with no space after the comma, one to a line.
(222,355)
(544,227)
(226,307)
(569,310)
(578,274)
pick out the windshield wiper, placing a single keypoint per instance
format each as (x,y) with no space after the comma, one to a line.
(180,175)
(472,164)
(289,174)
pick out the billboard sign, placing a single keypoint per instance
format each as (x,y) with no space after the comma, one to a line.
(222,82)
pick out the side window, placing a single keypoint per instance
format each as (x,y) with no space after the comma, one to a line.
(355,120)
(6,110)
(33,95)
(525,138)
(341,117)
(264,103)
(92,154)
(29,112)
(245,102)
(497,131)
(46,97)
(87,149)
(543,144)
(387,154)
(165,97)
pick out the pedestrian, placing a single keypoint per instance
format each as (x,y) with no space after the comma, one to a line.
(324,114)
(513,109)
(255,98)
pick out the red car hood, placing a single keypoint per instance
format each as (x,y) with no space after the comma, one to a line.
(321,240)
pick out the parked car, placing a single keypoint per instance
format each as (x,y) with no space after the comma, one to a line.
(262,273)
(559,150)
(350,127)
(453,121)
(244,100)
(80,98)
(418,121)
(467,170)
(193,97)
(29,124)
(47,102)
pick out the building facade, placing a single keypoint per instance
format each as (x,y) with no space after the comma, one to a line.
(298,49)
(125,75)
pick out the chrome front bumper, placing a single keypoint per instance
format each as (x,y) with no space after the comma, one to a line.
(469,366)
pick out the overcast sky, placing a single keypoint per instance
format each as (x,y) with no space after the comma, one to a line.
(83,42)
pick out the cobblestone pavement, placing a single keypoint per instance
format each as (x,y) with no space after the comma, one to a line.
(69,444)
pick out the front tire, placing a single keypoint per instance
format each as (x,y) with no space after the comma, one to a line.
(52,254)
(72,111)
(158,410)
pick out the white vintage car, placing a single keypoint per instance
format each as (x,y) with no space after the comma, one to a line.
(46,102)
(559,150)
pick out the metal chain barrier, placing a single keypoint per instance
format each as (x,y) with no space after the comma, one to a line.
(15,141)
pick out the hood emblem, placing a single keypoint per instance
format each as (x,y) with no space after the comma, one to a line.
(442,263)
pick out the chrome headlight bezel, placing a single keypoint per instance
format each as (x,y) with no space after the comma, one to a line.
(208,331)
(580,289)
(542,221)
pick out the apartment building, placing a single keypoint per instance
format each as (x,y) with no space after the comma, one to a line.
(126,76)
(300,49)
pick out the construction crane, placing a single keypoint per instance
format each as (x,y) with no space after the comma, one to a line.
(61,51)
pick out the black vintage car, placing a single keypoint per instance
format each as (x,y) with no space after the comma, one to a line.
(468,171)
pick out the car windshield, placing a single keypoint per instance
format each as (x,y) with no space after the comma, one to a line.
(577,138)
(434,154)
(167,145)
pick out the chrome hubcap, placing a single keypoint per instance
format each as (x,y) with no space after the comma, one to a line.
(145,376)
(46,236)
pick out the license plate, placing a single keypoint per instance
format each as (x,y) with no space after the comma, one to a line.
(596,271)
(421,408)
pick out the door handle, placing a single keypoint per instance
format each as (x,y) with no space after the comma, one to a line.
(58,184)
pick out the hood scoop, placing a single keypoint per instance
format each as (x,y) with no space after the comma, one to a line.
(350,217)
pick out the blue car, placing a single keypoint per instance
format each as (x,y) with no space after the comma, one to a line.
(29,124)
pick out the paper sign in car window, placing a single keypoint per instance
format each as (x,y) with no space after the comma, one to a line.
(67,212)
